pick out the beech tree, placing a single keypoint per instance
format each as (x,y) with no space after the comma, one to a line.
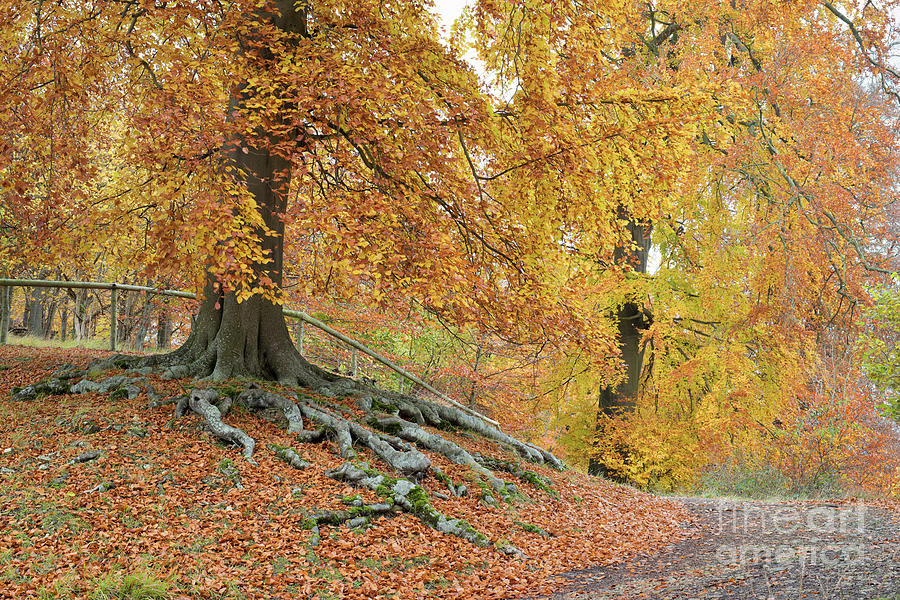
(209,129)
(773,255)
(222,141)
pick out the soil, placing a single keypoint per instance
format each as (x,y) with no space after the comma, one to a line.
(762,550)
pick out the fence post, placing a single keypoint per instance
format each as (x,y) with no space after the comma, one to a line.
(5,297)
(353,364)
(114,318)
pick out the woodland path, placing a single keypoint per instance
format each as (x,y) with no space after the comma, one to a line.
(762,550)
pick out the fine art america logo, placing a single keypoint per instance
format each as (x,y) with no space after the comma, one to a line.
(790,534)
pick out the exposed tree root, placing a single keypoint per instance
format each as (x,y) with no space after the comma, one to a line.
(413,433)
(312,437)
(363,513)
(392,428)
(257,398)
(409,497)
(437,415)
(201,402)
(289,455)
(542,483)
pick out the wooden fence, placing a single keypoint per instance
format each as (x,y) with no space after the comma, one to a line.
(6,286)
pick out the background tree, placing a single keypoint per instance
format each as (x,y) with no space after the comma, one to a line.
(347,147)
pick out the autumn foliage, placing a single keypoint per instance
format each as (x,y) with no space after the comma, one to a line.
(474,222)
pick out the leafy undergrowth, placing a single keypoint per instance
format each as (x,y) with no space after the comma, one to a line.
(166,506)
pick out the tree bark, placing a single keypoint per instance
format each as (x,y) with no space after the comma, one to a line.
(34,314)
(162,329)
(250,338)
(614,400)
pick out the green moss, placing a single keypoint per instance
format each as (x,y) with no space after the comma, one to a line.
(380,406)
(421,506)
(488,494)
(418,498)
(118,394)
(386,489)
(477,537)
(516,469)
(441,476)
(531,528)
(369,470)
(389,428)
(538,482)
(229,470)
(359,511)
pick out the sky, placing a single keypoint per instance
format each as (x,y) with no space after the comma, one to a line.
(449,10)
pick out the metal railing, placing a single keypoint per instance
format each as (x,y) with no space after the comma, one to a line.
(6,286)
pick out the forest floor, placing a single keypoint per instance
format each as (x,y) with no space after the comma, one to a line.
(160,506)
(763,550)
(102,496)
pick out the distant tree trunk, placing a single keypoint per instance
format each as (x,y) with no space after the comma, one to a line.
(631,322)
(34,313)
(49,315)
(63,321)
(163,329)
(84,315)
(473,391)
(143,322)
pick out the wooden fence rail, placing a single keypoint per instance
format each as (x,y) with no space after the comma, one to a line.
(6,286)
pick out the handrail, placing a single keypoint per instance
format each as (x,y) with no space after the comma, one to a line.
(94,285)
(396,368)
(297,314)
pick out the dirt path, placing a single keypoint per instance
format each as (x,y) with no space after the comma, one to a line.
(762,550)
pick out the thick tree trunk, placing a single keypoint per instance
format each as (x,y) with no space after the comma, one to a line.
(250,338)
(615,400)
(49,315)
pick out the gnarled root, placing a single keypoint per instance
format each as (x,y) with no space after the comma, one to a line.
(413,433)
(362,512)
(258,398)
(425,412)
(398,454)
(289,455)
(409,497)
(201,402)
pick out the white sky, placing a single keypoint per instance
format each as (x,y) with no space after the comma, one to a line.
(449,10)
